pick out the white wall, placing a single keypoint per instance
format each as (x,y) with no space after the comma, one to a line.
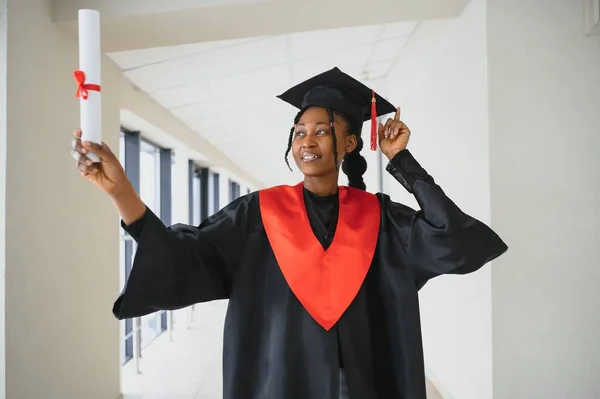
(440,83)
(544,93)
(2,188)
(62,243)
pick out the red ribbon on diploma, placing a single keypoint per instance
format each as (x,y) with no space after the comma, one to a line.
(82,87)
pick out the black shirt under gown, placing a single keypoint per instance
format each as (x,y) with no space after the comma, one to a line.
(322,214)
(272,348)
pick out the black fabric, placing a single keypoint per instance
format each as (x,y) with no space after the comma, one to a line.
(135,228)
(339,91)
(406,170)
(273,349)
(322,214)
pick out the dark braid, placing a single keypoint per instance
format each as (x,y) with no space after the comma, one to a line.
(355,165)
(291,138)
(334,138)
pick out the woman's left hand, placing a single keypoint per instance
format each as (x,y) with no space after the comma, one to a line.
(393,137)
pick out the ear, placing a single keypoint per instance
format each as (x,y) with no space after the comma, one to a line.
(351,143)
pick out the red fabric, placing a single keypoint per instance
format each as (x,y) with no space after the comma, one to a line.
(325,282)
(82,87)
(373,122)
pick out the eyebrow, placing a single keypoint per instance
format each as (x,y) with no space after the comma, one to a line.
(318,123)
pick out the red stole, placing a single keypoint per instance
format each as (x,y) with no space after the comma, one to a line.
(325,282)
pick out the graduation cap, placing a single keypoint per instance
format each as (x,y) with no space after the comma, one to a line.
(338,91)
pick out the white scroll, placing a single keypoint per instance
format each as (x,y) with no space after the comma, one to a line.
(88,78)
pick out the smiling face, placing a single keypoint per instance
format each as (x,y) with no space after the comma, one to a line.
(312,144)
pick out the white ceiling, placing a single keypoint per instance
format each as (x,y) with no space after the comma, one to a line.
(225,91)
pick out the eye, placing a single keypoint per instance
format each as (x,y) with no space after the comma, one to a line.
(322,132)
(300,134)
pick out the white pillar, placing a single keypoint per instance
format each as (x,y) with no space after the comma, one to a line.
(62,241)
(544,98)
(3,19)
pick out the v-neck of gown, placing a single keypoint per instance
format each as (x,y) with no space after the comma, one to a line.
(322,212)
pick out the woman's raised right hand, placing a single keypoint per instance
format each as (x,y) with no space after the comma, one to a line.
(108,174)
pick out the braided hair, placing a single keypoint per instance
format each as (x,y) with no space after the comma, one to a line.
(354,164)
(291,138)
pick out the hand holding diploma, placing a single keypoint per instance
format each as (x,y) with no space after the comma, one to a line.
(108,175)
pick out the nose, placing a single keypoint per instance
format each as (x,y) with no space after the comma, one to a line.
(308,142)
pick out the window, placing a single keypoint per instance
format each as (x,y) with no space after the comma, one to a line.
(129,154)
(148,167)
(195,199)
(215,192)
(234,190)
(151,188)
(198,197)
(150,176)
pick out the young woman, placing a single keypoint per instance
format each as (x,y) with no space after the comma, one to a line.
(322,280)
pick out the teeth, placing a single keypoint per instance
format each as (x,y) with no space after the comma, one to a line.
(309,157)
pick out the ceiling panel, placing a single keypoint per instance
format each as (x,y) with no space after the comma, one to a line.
(398,29)
(137,58)
(180,96)
(252,55)
(197,48)
(274,78)
(350,60)
(164,75)
(378,70)
(388,49)
(205,109)
(303,44)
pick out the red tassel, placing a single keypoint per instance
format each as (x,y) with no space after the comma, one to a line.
(373,122)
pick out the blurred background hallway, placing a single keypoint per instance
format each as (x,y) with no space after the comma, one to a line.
(502,97)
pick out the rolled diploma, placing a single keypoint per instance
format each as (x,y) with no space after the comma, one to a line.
(90,110)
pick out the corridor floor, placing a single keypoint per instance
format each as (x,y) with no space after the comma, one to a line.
(188,366)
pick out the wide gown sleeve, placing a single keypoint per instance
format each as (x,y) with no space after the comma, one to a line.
(178,266)
(439,238)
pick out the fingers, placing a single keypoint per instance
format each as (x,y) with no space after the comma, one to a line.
(78,152)
(81,158)
(86,169)
(397,115)
(82,162)
(386,129)
(76,145)
(396,129)
(381,131)
(392,129)
(102,150)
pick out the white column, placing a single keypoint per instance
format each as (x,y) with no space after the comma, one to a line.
(544,93)
(62,234)
(3,19)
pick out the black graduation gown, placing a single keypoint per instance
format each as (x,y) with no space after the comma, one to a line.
(273,348)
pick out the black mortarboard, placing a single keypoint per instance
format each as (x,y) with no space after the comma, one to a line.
(340,92)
